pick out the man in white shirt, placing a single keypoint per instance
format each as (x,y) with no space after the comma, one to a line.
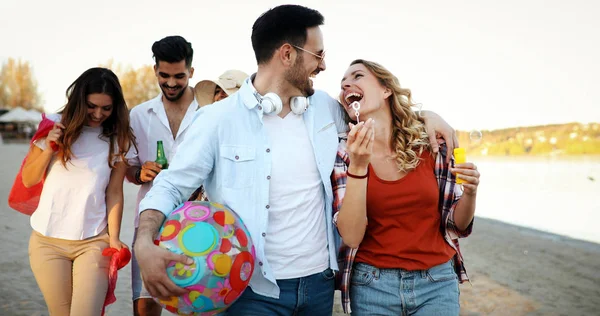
(165,118)
(267,152)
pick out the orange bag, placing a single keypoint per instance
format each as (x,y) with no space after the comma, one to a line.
(20,198)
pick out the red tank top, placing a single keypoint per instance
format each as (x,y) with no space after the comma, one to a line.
(404,221)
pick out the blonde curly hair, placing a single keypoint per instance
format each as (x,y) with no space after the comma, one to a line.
(409,137)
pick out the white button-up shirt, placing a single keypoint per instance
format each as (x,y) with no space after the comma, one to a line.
(228,150)
(150,124)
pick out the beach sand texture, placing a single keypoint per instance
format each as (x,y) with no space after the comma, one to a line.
(514,270)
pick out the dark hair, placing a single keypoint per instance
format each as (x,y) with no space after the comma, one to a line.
(280,25)
(74,114)
(173,49)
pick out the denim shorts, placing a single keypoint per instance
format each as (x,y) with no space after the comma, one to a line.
(429,292)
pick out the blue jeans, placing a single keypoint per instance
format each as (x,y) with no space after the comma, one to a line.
(399,292)
(311,296)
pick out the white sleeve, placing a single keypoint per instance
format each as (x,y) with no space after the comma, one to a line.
(132,156)
(40,143)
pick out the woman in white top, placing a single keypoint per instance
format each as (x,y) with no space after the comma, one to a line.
(81,204)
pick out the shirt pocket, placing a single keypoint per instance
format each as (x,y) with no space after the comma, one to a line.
(238,166)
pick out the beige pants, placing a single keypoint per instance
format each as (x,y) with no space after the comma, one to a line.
(72,274)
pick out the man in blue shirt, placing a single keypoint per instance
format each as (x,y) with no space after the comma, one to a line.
(267,152)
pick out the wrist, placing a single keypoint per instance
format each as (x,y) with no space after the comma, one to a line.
(138,176)
(357,169)
(423,115)
(143,242)
(470,195)
(357,172)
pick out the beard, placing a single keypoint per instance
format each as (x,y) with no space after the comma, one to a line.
(178,96)
(299,78)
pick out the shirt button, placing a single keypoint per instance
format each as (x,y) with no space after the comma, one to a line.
(268,206)
(268,177)
(260,107)
(264,273)
(260,263)
(264,234)
(237,157)
(268,150)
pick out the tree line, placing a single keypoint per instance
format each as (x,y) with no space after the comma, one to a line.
(19,88)
(545,140)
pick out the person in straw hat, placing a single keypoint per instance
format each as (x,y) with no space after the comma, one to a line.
(210,91)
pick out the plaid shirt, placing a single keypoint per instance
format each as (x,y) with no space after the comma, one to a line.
(449,194)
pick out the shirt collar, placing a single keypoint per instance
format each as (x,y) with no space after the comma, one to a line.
(248,93)
(156,103)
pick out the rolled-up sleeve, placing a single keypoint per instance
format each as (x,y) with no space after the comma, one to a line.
(338,114)
(339,178)
(450,194)
(190,166)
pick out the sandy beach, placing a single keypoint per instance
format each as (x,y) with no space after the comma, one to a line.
(514,270)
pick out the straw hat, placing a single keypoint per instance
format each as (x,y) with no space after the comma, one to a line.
(230,82)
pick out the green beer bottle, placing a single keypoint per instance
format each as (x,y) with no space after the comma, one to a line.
(160,155)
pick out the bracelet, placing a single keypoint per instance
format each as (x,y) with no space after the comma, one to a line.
(138,175)
(355,176)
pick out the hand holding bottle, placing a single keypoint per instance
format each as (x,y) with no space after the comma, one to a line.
(149,171)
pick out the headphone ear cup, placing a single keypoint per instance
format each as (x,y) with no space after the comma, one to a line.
(271,104)
(299,105)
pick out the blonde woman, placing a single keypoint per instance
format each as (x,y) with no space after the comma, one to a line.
(399,210)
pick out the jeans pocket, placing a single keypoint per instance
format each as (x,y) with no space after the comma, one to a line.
(362,276)
(441,273)
(328,274)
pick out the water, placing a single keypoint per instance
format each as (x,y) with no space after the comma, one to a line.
(560,196)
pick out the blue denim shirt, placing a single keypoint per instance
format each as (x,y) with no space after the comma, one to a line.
(227,149)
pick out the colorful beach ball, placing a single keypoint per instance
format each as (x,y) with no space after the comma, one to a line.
(219,242)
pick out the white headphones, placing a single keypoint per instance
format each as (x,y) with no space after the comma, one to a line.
(271,103)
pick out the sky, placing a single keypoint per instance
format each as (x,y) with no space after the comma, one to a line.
(481,65)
